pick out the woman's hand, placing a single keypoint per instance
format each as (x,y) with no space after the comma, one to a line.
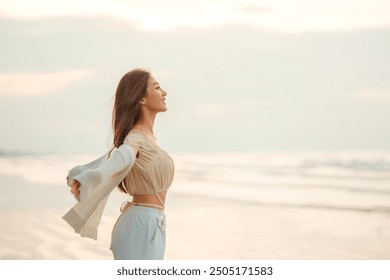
(75,189)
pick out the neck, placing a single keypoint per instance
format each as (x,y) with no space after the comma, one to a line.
(146,122)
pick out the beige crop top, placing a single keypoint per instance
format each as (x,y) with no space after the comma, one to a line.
(153,170)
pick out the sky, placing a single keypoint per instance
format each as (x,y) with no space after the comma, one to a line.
(240,75)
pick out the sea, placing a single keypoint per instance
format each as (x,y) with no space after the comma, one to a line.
(354,181)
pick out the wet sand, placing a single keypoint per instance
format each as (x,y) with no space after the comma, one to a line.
(198,228)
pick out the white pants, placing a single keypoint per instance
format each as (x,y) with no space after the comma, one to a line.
(139,234)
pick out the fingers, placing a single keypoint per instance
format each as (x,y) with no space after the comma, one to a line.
(74,182)
(75,189)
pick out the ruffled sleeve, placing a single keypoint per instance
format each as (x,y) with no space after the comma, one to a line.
(96,183)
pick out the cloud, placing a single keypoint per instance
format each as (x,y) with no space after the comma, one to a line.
(39,83)
(281,16)
(331,15)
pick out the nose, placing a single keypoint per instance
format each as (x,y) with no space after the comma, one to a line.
(165,93)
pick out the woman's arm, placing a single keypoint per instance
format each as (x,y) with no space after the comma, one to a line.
(120,159)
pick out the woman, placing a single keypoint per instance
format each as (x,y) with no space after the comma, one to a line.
(137,165)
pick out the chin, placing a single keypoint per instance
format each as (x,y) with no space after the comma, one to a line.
(162,110)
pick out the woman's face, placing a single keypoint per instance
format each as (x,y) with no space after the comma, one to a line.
(155,96)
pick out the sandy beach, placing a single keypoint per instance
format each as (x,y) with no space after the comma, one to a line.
(201,223)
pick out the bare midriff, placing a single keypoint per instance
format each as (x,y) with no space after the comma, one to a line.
(150,198)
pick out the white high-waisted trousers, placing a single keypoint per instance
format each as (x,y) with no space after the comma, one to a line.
(139,234)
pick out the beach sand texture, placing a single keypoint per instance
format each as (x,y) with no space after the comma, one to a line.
(220,206)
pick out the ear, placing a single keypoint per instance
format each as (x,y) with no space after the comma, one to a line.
(142,102)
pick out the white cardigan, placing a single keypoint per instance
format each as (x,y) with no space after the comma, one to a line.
(97,179)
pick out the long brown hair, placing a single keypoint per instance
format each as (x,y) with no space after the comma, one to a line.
(131,89)
(125,114)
